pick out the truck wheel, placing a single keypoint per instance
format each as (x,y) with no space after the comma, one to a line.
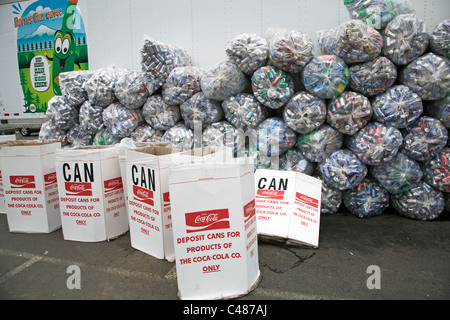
(25,132)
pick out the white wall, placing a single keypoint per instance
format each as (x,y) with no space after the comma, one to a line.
(117,27)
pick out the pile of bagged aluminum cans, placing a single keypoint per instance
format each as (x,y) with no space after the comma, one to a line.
(369,116)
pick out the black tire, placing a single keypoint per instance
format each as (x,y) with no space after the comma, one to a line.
(25,132)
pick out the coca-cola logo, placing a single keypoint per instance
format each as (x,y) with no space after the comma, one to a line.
(307,200)
(270,194)
(113,184)
(213,217)
(50,178)
(249,210)
(22,182)
(166,199)
(78,188)
(207,220)
(143,195)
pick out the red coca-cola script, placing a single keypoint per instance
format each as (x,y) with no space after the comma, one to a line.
(143,195)
(22,182)
(249,210)
(166,199)
(113,184)
(50,178)
(78,188)
(207,220)
(270,194)
(307,200)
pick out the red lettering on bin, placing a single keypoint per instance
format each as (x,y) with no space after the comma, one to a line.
(143,195)
(78,188)
(207,220)
(22,182)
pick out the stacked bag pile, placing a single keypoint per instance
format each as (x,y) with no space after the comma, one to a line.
(369,116)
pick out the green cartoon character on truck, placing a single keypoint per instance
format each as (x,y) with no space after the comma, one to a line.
(64,46)
(51,39)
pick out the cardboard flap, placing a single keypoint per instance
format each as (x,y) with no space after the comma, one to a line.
(21,143)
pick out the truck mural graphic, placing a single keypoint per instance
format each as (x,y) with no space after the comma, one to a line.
(51,39)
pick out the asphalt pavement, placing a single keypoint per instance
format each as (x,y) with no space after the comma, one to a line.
(387,257)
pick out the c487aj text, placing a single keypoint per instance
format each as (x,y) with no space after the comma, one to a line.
(239,309)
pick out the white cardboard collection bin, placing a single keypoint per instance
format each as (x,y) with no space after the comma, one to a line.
(30,186)
(3,141)
(91,194)
(214,230)
(288,206)
(149,208)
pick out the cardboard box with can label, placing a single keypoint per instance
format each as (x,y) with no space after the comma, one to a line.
(214,227)
(288,207)
(149,209)
(30,186)
(91,194)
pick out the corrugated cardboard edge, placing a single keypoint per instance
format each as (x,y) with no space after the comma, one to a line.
(118,236)
(21,143)
(285,241)
(253,287)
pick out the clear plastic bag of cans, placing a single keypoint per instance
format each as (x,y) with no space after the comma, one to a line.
(317,145)
(200,110)
(104,137)
(436,171)
(304,112)
(275,137)
(221,134)
(244,111)
(353,41)
(428,76)
(145,133)
(272,87)
(180,56)
(399,174)
(377,13)
(372,77)
(289,50)
(376,143)
(49,132)
(77,137)
(181,84)
(130,89)
(405,39)
(422,202)
(367,199)
(439,109)
(222,81)
(294,160)
(72,86)
(62,114)
(158,60)
(398,107)
(349,112)
(331,197)
(423,138)
(159,114)
(342,169)
(326,76)
(179,136)
(100,86)
(120,120)
(248,52)
(90,118)
(440,39)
